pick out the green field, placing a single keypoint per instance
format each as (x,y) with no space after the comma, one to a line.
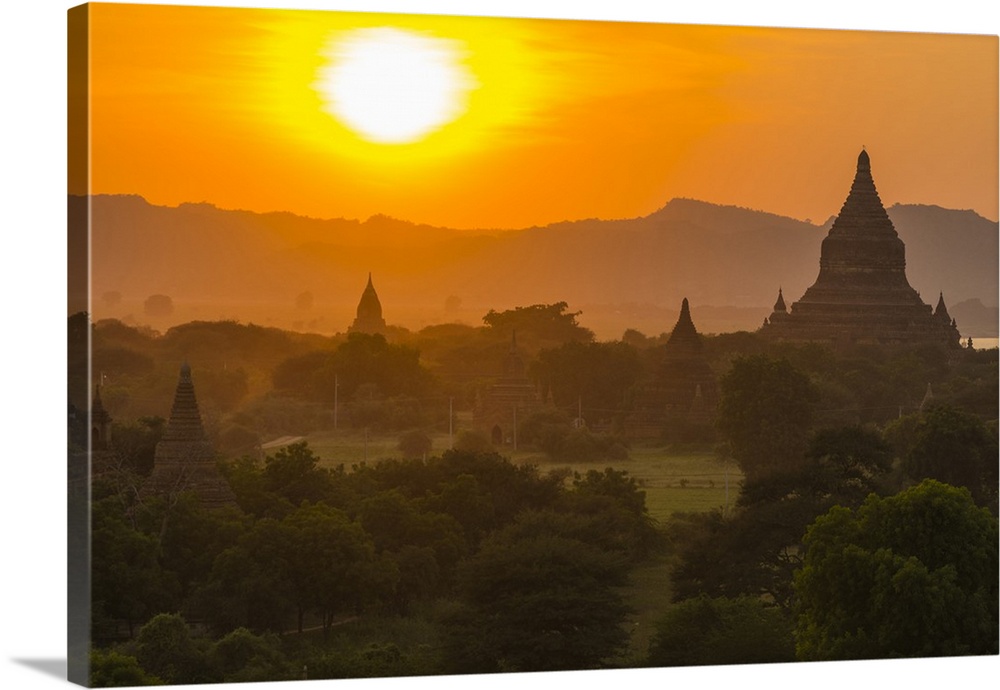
(674,480)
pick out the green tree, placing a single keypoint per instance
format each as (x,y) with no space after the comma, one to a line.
(166,648)
(362,360)
(909,575)
(538,602)
(248,585)
(128,583)
(755,550)
(415,444)
(330,564)
(110,668)
(952,446)
(765,413)
(706,631)
(293,472)
(242,656)
(547,322)
(591,375)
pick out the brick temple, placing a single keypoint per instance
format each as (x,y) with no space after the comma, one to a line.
(184,459)
(861,295)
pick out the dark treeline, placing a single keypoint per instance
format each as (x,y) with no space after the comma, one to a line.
(256,383)
(482,560)
(858,468)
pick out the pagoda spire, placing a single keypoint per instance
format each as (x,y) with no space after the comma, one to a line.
(941,311)
(684,333)
(779,305)
(369,313)
(185,424)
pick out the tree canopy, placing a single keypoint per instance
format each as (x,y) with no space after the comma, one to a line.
(765,413)
(909,575)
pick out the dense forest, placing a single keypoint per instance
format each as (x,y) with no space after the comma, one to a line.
(864,522)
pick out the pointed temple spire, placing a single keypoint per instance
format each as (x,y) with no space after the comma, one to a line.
(861,294)
(684,336)
(513,364)
(185,418)
(369,313)
(184,459)
(941,311)
(779,304)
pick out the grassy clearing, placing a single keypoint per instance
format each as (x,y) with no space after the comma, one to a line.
(649,595)
(674,480)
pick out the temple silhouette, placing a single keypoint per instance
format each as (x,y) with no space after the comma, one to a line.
(679,402)
(508,401)
(861,295)
(369,314)
(184,459)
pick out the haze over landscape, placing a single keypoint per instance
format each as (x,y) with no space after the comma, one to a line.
(560,144)
(413,345)
(729,262)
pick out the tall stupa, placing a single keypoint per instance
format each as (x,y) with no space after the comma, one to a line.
(861,295)
(184,459)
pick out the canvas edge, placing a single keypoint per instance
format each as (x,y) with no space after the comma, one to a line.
(78,578)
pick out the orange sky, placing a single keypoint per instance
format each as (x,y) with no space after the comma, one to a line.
(570,119)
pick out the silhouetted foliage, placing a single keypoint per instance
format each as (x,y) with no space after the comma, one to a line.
(952,446)
(364,368)
(110,668)
(537,601)
(592,376)
(546,322)
(166,648)
(158,305)
(414,444)
(765,412)
(704,631)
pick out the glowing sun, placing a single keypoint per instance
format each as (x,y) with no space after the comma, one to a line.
(392,86)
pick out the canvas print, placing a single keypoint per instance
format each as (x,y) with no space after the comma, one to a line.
(420,345)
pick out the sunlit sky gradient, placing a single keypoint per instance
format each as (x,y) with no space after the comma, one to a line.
(569,120)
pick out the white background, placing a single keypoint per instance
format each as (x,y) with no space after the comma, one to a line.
(32,417)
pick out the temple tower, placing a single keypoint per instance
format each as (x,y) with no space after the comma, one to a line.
(184,459)
(679,402)
(509,400)
(861,294)
(369,314)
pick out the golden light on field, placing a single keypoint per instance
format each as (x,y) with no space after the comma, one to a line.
(392,86)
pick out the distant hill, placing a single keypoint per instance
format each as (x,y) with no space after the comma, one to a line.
(217,263)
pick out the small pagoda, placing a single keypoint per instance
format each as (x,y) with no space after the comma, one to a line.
(184,459)
(369,314)
(509,400)
(861,295)
(679,402)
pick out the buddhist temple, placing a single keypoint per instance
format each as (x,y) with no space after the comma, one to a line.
(861,295)
(679,402)
(369,315)
(509,400)
(184,459)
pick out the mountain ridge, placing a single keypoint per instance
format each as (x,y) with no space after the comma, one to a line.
(711,254)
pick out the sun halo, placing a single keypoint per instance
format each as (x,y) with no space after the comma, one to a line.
(392,86)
